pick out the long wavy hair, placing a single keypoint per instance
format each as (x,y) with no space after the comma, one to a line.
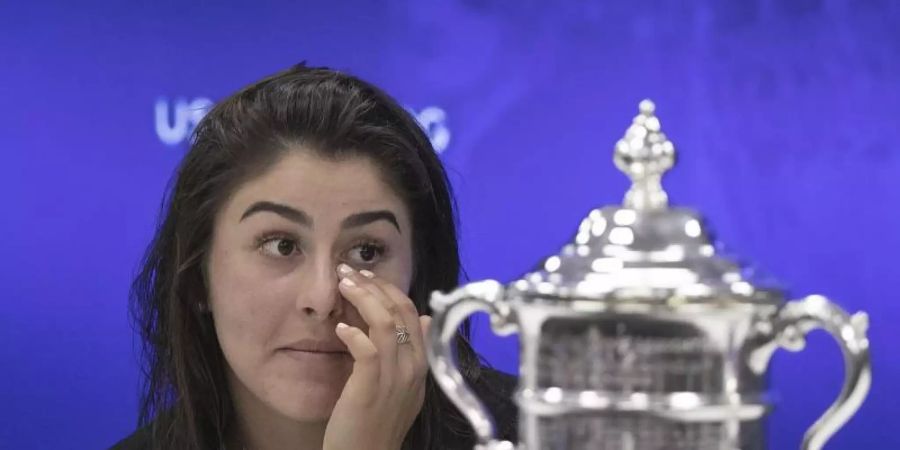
(185,401)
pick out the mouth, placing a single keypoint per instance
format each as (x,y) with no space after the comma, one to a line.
(313,356)
(325,352)
(315,347)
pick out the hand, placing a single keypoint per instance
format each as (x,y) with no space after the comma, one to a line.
(386,389)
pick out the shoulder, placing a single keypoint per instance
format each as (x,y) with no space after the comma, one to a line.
(139,440)
(496,390)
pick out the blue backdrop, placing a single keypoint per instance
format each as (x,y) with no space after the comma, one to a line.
(785,114)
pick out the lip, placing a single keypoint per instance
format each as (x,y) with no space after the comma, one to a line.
(316,346)
(309,357)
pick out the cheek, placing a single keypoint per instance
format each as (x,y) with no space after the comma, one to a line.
(246,305)
(399,269)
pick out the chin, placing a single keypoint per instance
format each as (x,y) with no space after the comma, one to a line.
(306,403)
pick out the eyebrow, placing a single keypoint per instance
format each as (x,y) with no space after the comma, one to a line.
(301,218)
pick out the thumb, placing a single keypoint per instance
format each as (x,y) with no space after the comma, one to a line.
(365,376)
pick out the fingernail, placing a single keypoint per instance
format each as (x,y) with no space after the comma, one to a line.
(348,282)
(344,269)
(367,274)
(342,325)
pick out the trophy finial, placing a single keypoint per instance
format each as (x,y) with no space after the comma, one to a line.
(645,154)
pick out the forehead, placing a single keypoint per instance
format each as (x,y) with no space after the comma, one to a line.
(324,188)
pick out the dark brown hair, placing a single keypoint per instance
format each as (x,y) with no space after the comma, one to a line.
(185,402)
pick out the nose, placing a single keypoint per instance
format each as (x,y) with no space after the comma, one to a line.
(318,296)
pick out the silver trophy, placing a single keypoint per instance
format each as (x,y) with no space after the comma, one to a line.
(639,335)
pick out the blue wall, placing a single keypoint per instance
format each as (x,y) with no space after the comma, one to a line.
(785,113)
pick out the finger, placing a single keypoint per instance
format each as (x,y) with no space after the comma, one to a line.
(410,359)
(364,379)
(404,306)
(416,363)
(372,307)
(367,280)
(407,310)
(364,280)
(425,323)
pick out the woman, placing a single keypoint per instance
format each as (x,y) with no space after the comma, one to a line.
(283,301)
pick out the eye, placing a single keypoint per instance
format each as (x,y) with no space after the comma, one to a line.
(278,246)
(366,253)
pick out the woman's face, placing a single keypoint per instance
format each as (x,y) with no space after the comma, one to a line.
(277,242)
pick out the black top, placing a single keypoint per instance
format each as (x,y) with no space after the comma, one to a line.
(494,388)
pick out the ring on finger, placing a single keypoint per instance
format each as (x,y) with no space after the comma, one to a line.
(402,334)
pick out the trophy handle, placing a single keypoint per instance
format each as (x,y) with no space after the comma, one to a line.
(789,329)
(449,312)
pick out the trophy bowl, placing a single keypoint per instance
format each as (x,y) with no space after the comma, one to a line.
(639,335)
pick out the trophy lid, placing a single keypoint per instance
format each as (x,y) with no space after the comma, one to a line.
(644,251)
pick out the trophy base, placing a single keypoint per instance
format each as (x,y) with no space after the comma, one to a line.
(641,432)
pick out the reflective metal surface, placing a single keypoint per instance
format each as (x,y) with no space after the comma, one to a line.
(639,335)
